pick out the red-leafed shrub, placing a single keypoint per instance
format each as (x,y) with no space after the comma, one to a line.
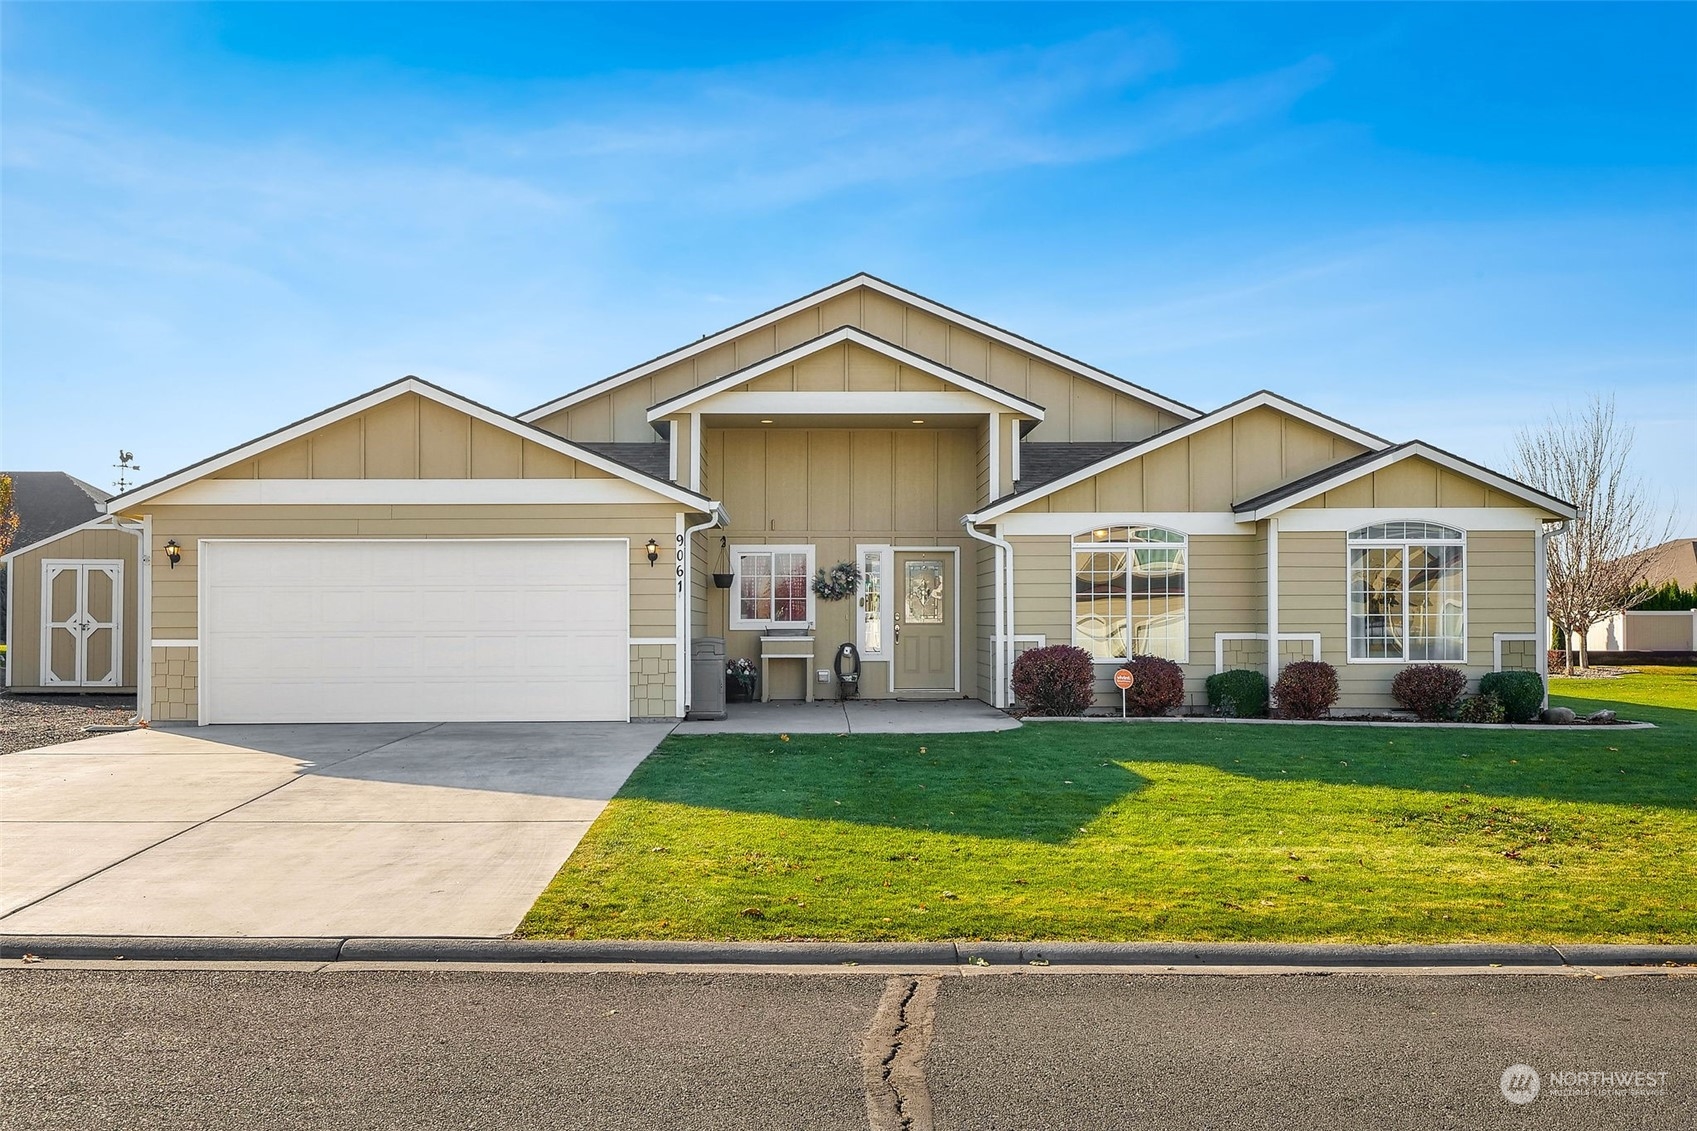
(1057,680)
(1157,687)
(1306,689)
(1431,691)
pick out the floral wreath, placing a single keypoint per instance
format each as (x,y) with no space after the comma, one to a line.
(839,582)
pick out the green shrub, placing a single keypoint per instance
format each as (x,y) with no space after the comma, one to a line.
(1306,689)
(1057,680)
(1522,693)
(1238,694)
(1431,691)
(1158,686)
(1481,708)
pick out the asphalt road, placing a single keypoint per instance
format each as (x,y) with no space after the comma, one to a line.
(352,1048)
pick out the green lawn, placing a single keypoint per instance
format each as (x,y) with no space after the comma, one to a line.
(1152,831)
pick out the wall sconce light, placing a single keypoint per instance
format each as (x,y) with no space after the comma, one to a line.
(653,552)
(173,552)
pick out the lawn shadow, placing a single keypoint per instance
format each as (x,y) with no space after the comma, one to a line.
(981,785)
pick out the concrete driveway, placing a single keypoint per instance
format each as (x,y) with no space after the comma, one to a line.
(327,830)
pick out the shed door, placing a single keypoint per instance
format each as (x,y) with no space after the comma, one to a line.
(82,617)
(415,631)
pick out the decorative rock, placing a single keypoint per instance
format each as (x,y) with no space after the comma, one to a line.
(1558,716)
(1600,717)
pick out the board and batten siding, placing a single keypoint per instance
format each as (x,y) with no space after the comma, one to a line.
(1233,460)
(1412,482)
(837,489)
(23,648)
(1077,409)
(1313,597)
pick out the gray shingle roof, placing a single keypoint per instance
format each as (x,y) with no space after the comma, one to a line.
(1044,463)
(49,502)
(653,460)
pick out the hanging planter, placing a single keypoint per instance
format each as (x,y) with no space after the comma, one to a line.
(838,583)
(722,575)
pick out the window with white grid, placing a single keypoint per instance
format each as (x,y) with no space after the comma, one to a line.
(1407,593)
(1129,593)
(773,587)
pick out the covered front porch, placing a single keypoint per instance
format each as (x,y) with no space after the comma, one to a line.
(855,716)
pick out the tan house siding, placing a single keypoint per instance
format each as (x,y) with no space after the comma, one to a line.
(1313,596)
(653,681)
(1235,459)
(1078,408)
(411,437)
(23,649)
(983,564)
(1413,482)
(838,489)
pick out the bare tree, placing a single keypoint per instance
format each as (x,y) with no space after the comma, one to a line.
(1595,566)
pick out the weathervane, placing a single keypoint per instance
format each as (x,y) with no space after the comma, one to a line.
(126,464)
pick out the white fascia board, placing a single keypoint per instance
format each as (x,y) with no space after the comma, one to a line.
(717,387)
(889,290)
(1070,523)
(1443,459)
(777,403)
(107,520)
(1184,431)
(407,492)
(387,393)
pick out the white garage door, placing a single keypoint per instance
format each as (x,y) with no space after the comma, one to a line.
(423,631)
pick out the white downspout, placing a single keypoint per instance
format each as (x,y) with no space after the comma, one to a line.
(1272,601)
(686,673)
(1004,603)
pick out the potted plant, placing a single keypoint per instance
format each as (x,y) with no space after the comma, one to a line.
(741,679)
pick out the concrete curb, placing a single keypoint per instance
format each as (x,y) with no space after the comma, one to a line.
(916,954)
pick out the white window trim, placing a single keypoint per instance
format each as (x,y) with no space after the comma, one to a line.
(1072,598)
(1353,544)
(738,624)
(887,566)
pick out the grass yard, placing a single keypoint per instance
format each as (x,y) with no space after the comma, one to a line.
(1153,831)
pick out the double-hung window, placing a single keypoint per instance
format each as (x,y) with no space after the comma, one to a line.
(773,587)
(1407,593)
(1129,593)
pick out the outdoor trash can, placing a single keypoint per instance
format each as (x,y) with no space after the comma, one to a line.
(707,678)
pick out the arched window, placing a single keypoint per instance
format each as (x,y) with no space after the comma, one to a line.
(1128,593)
(1407,593)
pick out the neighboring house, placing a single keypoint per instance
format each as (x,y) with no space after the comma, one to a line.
(67,549)
(410,554)
(1654,630)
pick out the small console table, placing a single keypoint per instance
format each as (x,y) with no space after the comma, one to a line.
(786,648)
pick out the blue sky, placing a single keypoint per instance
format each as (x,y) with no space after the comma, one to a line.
(1433,221)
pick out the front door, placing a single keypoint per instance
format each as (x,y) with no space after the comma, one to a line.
(925,621)
(82,623)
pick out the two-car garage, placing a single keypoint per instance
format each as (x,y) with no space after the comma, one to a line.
(404,630)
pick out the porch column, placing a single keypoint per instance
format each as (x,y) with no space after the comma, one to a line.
(1272,601)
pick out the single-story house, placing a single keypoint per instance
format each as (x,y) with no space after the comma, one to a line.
(66,587)
(413,555)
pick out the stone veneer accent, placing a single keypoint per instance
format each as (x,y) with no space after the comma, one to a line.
(653,681)
(176,685)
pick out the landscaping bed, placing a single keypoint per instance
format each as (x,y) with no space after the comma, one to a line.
(28,721)
(1298,833)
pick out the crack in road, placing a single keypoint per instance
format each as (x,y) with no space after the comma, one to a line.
(893,1055)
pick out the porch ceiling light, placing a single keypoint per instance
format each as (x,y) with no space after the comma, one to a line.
(919,422)
(767,421)
(173,552)
(653,552)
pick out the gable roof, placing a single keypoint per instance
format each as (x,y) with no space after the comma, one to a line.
(1261,399)
(1040,463)
(1269,503)
(48,503)
(854,336)
(389,392)
(890,290)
